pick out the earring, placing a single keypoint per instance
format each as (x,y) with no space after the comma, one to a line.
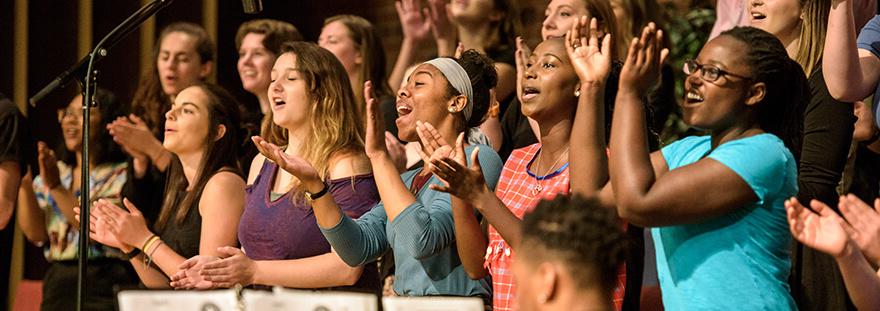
(452,110)
(577,93)
(543,298)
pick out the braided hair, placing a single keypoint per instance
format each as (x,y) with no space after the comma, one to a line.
(781,112)
(584,236)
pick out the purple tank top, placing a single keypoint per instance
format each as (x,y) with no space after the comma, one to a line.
(286,228)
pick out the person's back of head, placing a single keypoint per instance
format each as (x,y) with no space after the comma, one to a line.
(570,252)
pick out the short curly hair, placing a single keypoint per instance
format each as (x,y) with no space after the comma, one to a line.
(581,234)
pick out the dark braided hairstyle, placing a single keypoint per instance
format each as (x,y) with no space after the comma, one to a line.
(584,236)
(481,70)
(781,112)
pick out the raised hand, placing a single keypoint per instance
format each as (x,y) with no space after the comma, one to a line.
(522,59)
(235,268)
(374,142)
(433,145)
(129,228)
(863,225)
(821,230)
(414,19)
(48,166)
(396,150)
(591,62)
(466,183)
(644,59)
(296,166)
(443,27)
(189,273)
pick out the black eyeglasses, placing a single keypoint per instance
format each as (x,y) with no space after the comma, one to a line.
(708,72)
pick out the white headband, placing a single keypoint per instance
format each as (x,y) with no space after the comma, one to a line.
(458,78)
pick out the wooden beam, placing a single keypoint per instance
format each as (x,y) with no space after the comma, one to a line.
(209,16)
(20,96)
(84,29)
(148,38)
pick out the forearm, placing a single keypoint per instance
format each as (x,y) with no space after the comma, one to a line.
(65,200)
(166,259)
(326,270)
(10,179)
(446,47)
(393,192)
(589,163)
(353,243)
(470,239)
(161,158)
(630,167)
(405,58)
(862,282)
(30,217)
(828,129)
(840,63)
(6,207)
(150,276)
(500,217)
(327,212)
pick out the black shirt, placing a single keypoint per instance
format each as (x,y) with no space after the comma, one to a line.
(15,144)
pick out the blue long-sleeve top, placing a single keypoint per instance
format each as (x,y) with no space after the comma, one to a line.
(422,238)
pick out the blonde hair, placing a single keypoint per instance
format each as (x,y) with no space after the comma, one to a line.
(812,38)
(336,120)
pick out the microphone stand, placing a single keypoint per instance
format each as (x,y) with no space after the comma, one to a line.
(84,70)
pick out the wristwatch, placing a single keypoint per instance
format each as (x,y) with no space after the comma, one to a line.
(314,196)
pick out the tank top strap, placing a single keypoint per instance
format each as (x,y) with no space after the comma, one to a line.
(264,178)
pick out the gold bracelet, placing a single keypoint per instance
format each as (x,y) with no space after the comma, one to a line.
(149,241)
(149,260)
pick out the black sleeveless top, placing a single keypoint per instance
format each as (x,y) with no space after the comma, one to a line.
(184,237)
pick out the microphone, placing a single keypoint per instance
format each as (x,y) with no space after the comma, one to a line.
(252,6)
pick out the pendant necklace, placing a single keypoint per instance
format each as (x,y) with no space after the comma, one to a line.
(539,178)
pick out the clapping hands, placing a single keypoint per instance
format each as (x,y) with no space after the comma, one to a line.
(826,231)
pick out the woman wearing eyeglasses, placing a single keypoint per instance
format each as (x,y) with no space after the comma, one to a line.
(714,202)
(46,215)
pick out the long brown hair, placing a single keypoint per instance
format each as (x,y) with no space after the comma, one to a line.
(368,42)
(638,13)
(507,28)
(336,121)
(150,101)
(218,155)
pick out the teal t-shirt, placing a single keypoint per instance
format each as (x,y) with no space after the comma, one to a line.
(738,261)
